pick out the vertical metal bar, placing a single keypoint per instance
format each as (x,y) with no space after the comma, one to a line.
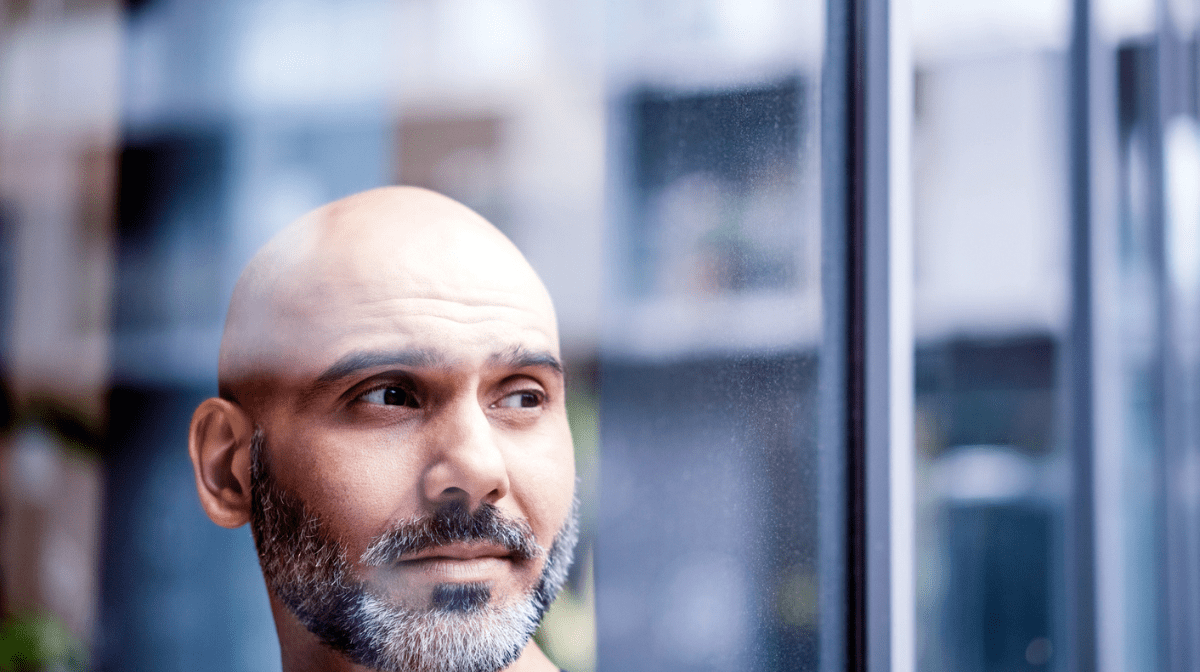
(842,603)
(1108,402)
(1080,547)
(858,588)
(901,388)
(857,354)
(877,374)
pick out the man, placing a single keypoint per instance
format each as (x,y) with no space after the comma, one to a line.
(391,423)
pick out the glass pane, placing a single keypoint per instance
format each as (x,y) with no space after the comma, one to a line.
(1154,617)
(708,522)
(990,315)
(658,163)
(238,118)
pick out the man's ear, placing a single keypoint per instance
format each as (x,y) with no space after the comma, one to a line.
(219,444)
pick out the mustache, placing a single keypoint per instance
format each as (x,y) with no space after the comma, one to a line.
(453,523)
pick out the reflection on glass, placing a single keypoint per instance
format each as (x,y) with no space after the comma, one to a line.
(1137,574)
(708,520)
(990,309)
(718,210)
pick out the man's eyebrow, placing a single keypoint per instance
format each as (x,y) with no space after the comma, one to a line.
(520,358)
(358,361)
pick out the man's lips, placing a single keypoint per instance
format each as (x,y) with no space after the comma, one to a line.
(459,551)
(459,562)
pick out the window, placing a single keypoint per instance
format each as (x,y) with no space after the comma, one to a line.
(879,315)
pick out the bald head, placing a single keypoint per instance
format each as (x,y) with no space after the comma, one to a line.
(342,276)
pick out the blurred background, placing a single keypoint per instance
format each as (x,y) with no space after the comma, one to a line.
(666,165)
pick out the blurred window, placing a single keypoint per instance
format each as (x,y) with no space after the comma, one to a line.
(710,509)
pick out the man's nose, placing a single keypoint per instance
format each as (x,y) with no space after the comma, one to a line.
(467,464)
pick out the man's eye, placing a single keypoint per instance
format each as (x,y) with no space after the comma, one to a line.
(520,400)
(391,396)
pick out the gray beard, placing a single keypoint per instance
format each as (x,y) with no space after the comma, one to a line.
(307,569)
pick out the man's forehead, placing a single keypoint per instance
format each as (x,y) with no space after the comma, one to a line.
(378,253)
(348,276)
(430,333)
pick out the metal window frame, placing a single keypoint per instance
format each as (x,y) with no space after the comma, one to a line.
(866,370)
(1080,362)
(1095,605)
(866,439)
(1094,609)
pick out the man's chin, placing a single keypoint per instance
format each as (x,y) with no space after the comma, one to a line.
(390,620)
(464,630)
(419,584)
